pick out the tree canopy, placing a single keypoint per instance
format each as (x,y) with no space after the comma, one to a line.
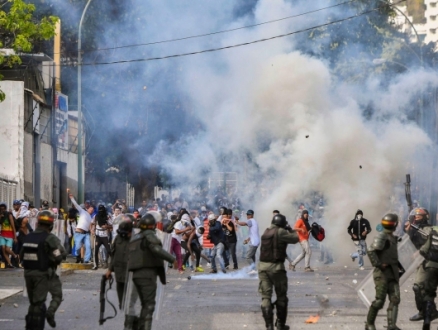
(20,31)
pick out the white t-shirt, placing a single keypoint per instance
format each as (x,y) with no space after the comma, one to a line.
(178,226)
(197,222)
(254,237)
(84,221)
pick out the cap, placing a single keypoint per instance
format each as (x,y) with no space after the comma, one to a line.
(250,212)
(211,217)
(17,202)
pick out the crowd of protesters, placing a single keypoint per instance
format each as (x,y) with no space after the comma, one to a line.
(211,229)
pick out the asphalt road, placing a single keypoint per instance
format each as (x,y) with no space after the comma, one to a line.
(216,301)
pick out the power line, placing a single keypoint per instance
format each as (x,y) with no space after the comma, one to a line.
(236,45)
(222,31)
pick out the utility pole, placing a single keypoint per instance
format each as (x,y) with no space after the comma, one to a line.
(80,169)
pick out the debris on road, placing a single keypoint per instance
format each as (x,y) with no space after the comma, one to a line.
(312,319)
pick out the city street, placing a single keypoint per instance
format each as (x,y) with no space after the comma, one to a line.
(212,302)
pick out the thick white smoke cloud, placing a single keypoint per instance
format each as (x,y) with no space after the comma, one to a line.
(264,100)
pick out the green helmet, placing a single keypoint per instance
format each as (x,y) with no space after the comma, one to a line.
(279,220)
(390,221)
(46,217)
(125,228)
(147,222)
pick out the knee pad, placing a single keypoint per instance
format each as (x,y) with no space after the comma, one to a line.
(378,304)
(417,288)
(266,303)
(395,301)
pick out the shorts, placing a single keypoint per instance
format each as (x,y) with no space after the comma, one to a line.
(6,241)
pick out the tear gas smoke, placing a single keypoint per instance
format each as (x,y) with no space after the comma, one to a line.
(279,118)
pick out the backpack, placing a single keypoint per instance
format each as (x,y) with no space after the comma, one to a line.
(317,232)
(170,227)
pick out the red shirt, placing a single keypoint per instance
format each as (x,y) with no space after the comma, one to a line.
(303,236)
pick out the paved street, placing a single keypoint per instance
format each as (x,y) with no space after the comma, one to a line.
(213,302)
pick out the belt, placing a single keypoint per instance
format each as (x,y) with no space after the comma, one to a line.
(81,231)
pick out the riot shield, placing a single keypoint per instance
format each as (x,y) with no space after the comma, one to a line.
(409,259)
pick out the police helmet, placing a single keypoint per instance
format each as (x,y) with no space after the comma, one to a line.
(147,222)
(390,221)
(421,212)
(46,217)
(279,220)
(125,228)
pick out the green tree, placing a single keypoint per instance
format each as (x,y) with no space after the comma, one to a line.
(20,31)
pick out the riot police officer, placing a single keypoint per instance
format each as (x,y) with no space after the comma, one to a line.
(41,253)
(426,279)
(384,257)
(272,272)
(146,257)
(119,254)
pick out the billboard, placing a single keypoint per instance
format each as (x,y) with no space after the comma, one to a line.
(61,120)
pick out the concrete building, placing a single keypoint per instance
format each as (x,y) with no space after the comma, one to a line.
(423,14)
(37,136)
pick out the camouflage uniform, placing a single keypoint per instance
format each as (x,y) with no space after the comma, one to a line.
(146,257)
(40,276)
(382,251)
(273,275)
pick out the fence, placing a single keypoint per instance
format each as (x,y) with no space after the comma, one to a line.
(8,191)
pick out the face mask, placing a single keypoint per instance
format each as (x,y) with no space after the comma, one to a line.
(359,216)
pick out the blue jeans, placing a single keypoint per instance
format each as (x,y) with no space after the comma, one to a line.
(80,240)
(361,246)
(218,251)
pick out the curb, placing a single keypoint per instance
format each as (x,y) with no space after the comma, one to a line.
(73,266)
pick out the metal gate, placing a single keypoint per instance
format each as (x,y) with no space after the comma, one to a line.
(8,191)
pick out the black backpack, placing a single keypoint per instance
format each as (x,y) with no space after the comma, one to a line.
(170,227)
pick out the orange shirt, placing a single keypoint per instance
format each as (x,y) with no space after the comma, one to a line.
(303,236)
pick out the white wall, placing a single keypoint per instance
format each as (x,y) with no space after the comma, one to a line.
(12,133)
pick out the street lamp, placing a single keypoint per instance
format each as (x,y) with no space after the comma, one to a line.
(80,170)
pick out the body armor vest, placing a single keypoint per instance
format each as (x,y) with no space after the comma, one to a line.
(142,258)
(121,258)
(432,253)
(271,250)
(389,254)
(35,256)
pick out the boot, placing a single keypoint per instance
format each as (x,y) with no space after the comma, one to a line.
(430,313)
(371,318)
(28,319)
(280,323)
(419,303)
(392,314)
(268,315)
(50,317)
(131,322)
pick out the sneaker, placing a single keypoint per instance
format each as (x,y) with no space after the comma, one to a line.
(253,272)
(308,270)
(227,266)
(235,267)
(88,262)
(361,268)
(213,271)
(224,271)
(208,265)
(199,269)
(94,268)
(183,267)
(9,266)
